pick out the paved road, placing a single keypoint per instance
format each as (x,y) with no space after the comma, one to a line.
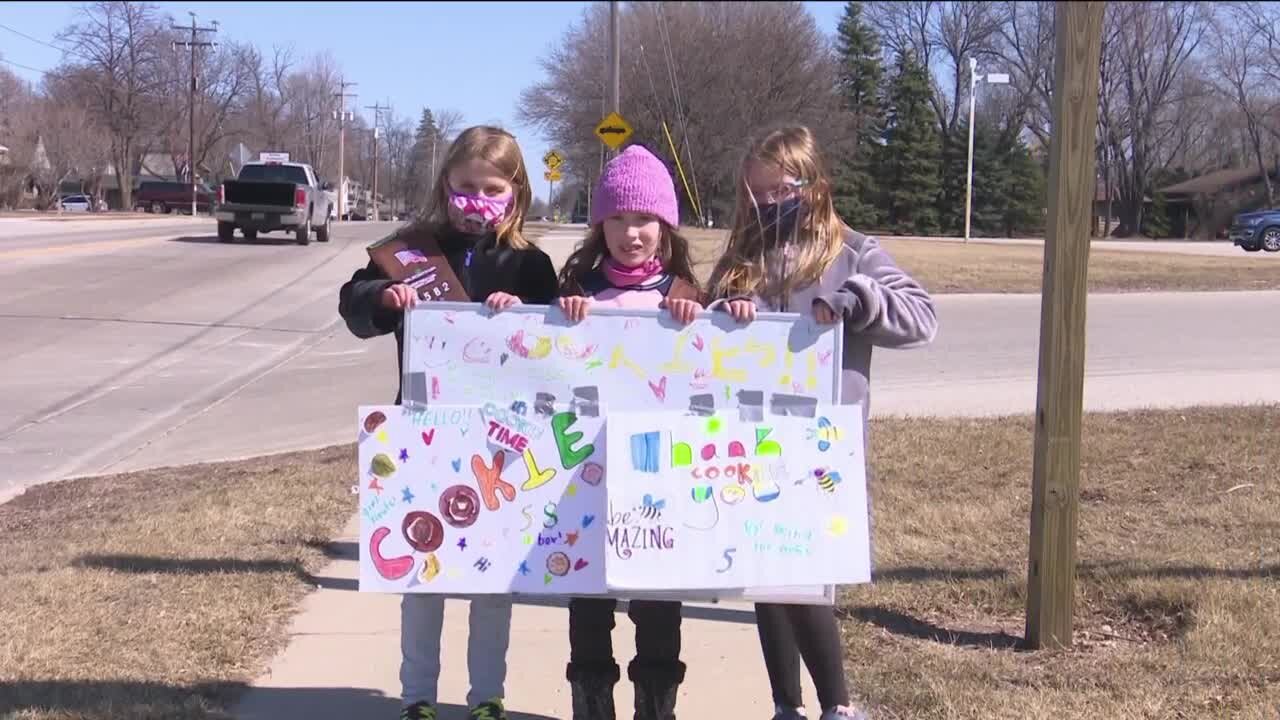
(123,348)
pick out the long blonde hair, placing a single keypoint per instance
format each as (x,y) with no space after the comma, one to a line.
(499,148)
(819,232)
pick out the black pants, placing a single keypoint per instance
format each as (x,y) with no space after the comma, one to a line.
(788,632)
(657,623)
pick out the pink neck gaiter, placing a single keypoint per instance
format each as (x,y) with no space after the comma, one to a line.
(621,276)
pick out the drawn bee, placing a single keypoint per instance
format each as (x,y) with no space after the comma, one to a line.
(826,433)
(827,480)
(651,509)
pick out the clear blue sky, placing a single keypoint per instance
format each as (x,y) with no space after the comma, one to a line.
(471,57)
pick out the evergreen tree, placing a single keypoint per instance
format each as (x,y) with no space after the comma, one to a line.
(991,182)
(1024,210)
(859,78)
(419,179)
(912,152)
(1157,220)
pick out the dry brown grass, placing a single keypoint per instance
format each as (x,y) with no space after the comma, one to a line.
(948,267)
(158,594)
(1178,590)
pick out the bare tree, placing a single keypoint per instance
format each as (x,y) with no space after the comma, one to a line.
(121,43)
(1025,45)
(449,123)
(952,32)
(716,73)
(1241,80)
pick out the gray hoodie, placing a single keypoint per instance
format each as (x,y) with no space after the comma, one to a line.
(880,304)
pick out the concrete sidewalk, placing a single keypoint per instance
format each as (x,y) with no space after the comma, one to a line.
(343,659)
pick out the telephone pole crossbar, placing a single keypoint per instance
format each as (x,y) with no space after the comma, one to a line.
(194,44)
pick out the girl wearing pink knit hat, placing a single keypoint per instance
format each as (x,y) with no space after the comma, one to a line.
(633,257)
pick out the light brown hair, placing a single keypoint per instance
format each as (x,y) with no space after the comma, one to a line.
(819,232)
(673,251)
(499,148)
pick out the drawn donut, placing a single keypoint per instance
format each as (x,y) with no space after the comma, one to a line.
(422,531)
(592,474)
(374,421)
(558,564)
(459,506)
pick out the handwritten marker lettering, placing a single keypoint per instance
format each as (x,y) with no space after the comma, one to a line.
(728,560)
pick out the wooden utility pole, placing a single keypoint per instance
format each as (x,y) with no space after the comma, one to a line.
(615,61)
(193,43)
(341,116)
(1055,481)
(377,123)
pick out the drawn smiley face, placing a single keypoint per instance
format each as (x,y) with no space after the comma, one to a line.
(432,352)
(477,351)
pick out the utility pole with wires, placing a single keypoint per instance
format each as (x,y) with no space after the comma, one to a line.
(342,116)
(193,44)
(377,109)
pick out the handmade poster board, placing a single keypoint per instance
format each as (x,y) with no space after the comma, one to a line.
(479,499)
(616,360)
(718,502)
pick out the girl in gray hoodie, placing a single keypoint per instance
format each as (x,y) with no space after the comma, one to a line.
(790,252)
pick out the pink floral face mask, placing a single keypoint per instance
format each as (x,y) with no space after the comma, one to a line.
(477,213)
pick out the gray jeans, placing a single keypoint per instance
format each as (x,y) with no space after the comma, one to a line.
(421,626)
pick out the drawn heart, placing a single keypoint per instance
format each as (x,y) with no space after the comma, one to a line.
(697,342)
(457,464)
(580,564)
(427,437)
(660,389)
(502,359)
(587,520)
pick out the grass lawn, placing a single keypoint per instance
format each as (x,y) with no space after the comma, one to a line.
(947,267)
(159,594)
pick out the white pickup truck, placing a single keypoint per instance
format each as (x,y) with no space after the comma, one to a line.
(269,196)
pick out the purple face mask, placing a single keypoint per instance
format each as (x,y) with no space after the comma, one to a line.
(477,213)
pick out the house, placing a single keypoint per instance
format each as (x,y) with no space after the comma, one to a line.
(1207,203)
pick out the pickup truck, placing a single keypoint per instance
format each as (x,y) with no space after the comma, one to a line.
(1256,231)
(270,196)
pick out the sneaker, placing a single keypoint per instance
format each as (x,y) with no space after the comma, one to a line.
(844,712)
(491,710)
(786,713)
(418,711)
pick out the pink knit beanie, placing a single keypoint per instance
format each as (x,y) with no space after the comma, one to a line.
(635,181)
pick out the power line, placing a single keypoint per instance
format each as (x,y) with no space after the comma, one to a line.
(46,44)
(26,67)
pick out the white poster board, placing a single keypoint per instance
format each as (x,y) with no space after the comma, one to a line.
(477,499)
(715,502)
(531,358)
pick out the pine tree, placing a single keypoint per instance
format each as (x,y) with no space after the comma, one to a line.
(1024,210)
(419,179)
(859,86)
(1157,220)
(991,182)
(912,152)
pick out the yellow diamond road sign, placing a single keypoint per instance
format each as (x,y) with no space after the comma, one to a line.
(552,175)
(553,160)
(613,131)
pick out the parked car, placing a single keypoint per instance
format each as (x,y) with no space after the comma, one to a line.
(166,197)
(76,203)
(270,196)
(1256,231)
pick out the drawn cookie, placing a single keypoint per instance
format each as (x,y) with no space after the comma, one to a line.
(423,531)
(558,564)
(459,506)
(382,465)
(374,421)
(592,474)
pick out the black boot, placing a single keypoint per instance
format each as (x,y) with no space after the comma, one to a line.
(656,685)
(592,689)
